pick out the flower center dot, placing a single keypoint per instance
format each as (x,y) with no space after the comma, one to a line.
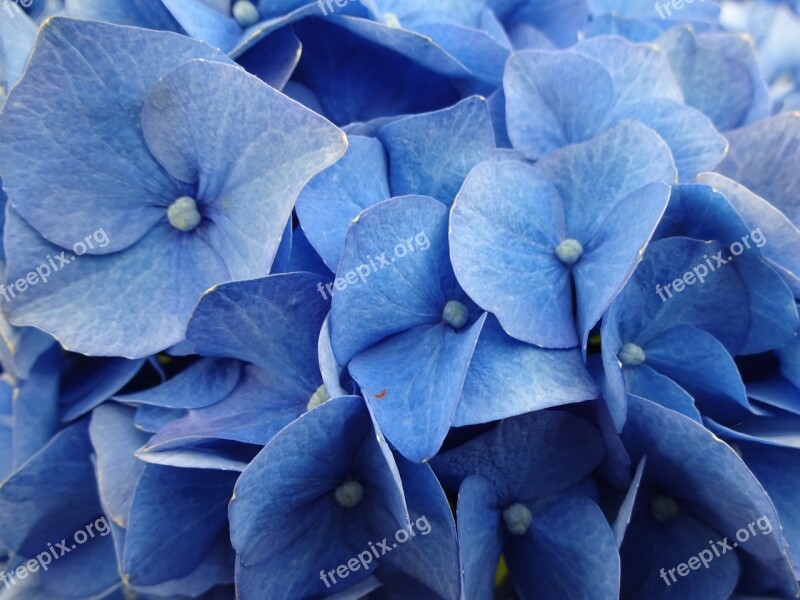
(455,314)
(631,355)
(319,397)
(663,508)
(569,251)
(349,494)
(518,518)
(245,13)
(183,214)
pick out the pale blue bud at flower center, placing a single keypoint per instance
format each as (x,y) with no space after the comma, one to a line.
(245,13)
(569,251)
(183,214)
(455,314)
(631,355)
(349,494)
(518,518)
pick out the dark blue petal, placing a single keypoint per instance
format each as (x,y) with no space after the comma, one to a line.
(201,384)
(480,537)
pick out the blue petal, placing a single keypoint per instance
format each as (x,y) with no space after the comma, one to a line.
(414,394)
(331,370)
(760,159)
(651,548)
(430,154)
(398,72)
(776,392)
(790,362)
(699,212)
(272,322)
(255,410)
(20,347)
(332,199)
(479,536)
(623,517)
(607,170)
(638,71)
(480,52)
(718,75)
(702,366)
(554,99)
(96,384)
(696,146)
(203,22)
(35,407)
(201,384)
(88,571)
(648,306)
(525,377)
(783,431)
(139,13)
(115,439)
(646,382)
(175,518)
(274,59)
(16,40)
(783,237)
(53,495)
(430,556)
(526,457)
(613,252)
(777,470)
(569,551)
(146,318)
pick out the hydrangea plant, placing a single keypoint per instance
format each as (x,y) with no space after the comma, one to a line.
(399,299)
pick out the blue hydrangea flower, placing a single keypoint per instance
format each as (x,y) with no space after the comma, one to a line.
(556,99)
(321,494)
(521,234)
(189,189)
(696,492)
(522,492)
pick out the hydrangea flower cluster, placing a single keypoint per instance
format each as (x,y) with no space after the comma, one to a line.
(399,299)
